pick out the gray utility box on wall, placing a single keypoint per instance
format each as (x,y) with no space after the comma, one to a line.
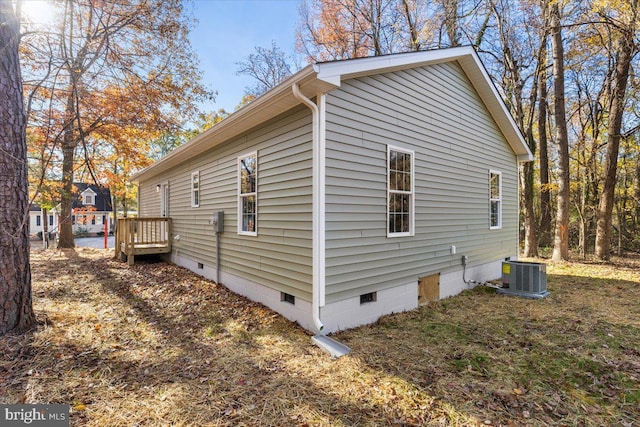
(525,279)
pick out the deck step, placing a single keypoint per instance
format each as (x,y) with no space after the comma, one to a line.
(331,346)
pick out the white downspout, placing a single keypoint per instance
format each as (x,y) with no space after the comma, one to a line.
(317,215)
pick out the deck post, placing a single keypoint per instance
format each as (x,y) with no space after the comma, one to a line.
(118,238)
(169,233)
(132,236)
(116,246)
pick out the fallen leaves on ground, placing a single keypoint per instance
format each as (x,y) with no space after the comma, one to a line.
(155,344)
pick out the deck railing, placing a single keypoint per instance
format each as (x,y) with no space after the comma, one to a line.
(139,236)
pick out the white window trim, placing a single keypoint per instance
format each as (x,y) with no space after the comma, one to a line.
(88,197)
(499,200)
(193,190)
(412,209)
(239,210)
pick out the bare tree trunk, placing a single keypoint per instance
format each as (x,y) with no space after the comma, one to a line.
(621,208)
(582,203)
(376,26)
(561,240)
(530,228)
(545,194)
(530,241)
(414,43)
(582,236)
(616,111)
(620,247)
(45,228)
(637,192)
(65,226)
(581,185)
(65,238)
(451,21)
(16,311)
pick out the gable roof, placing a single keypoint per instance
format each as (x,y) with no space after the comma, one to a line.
(103,196)
(326,76)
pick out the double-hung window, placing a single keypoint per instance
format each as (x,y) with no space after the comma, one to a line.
(400,192)
(248,194)
(195,189)
(495,200)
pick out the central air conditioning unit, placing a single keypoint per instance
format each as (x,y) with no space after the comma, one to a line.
(525,279)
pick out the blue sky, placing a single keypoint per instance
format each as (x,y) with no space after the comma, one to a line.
(228,31)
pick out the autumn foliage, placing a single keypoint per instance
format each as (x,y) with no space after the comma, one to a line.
(565,71)
(103,81)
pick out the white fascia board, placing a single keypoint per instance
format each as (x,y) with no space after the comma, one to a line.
(477,74)
(263,108)
(334,72)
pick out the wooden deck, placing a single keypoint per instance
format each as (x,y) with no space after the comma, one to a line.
(142,236)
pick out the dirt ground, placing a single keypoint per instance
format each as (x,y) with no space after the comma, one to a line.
(155,345)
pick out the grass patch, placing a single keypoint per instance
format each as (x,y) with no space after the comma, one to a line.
(154,344)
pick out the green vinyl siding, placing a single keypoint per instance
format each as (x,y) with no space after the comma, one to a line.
(280,255)
(435,112)
(148,200)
